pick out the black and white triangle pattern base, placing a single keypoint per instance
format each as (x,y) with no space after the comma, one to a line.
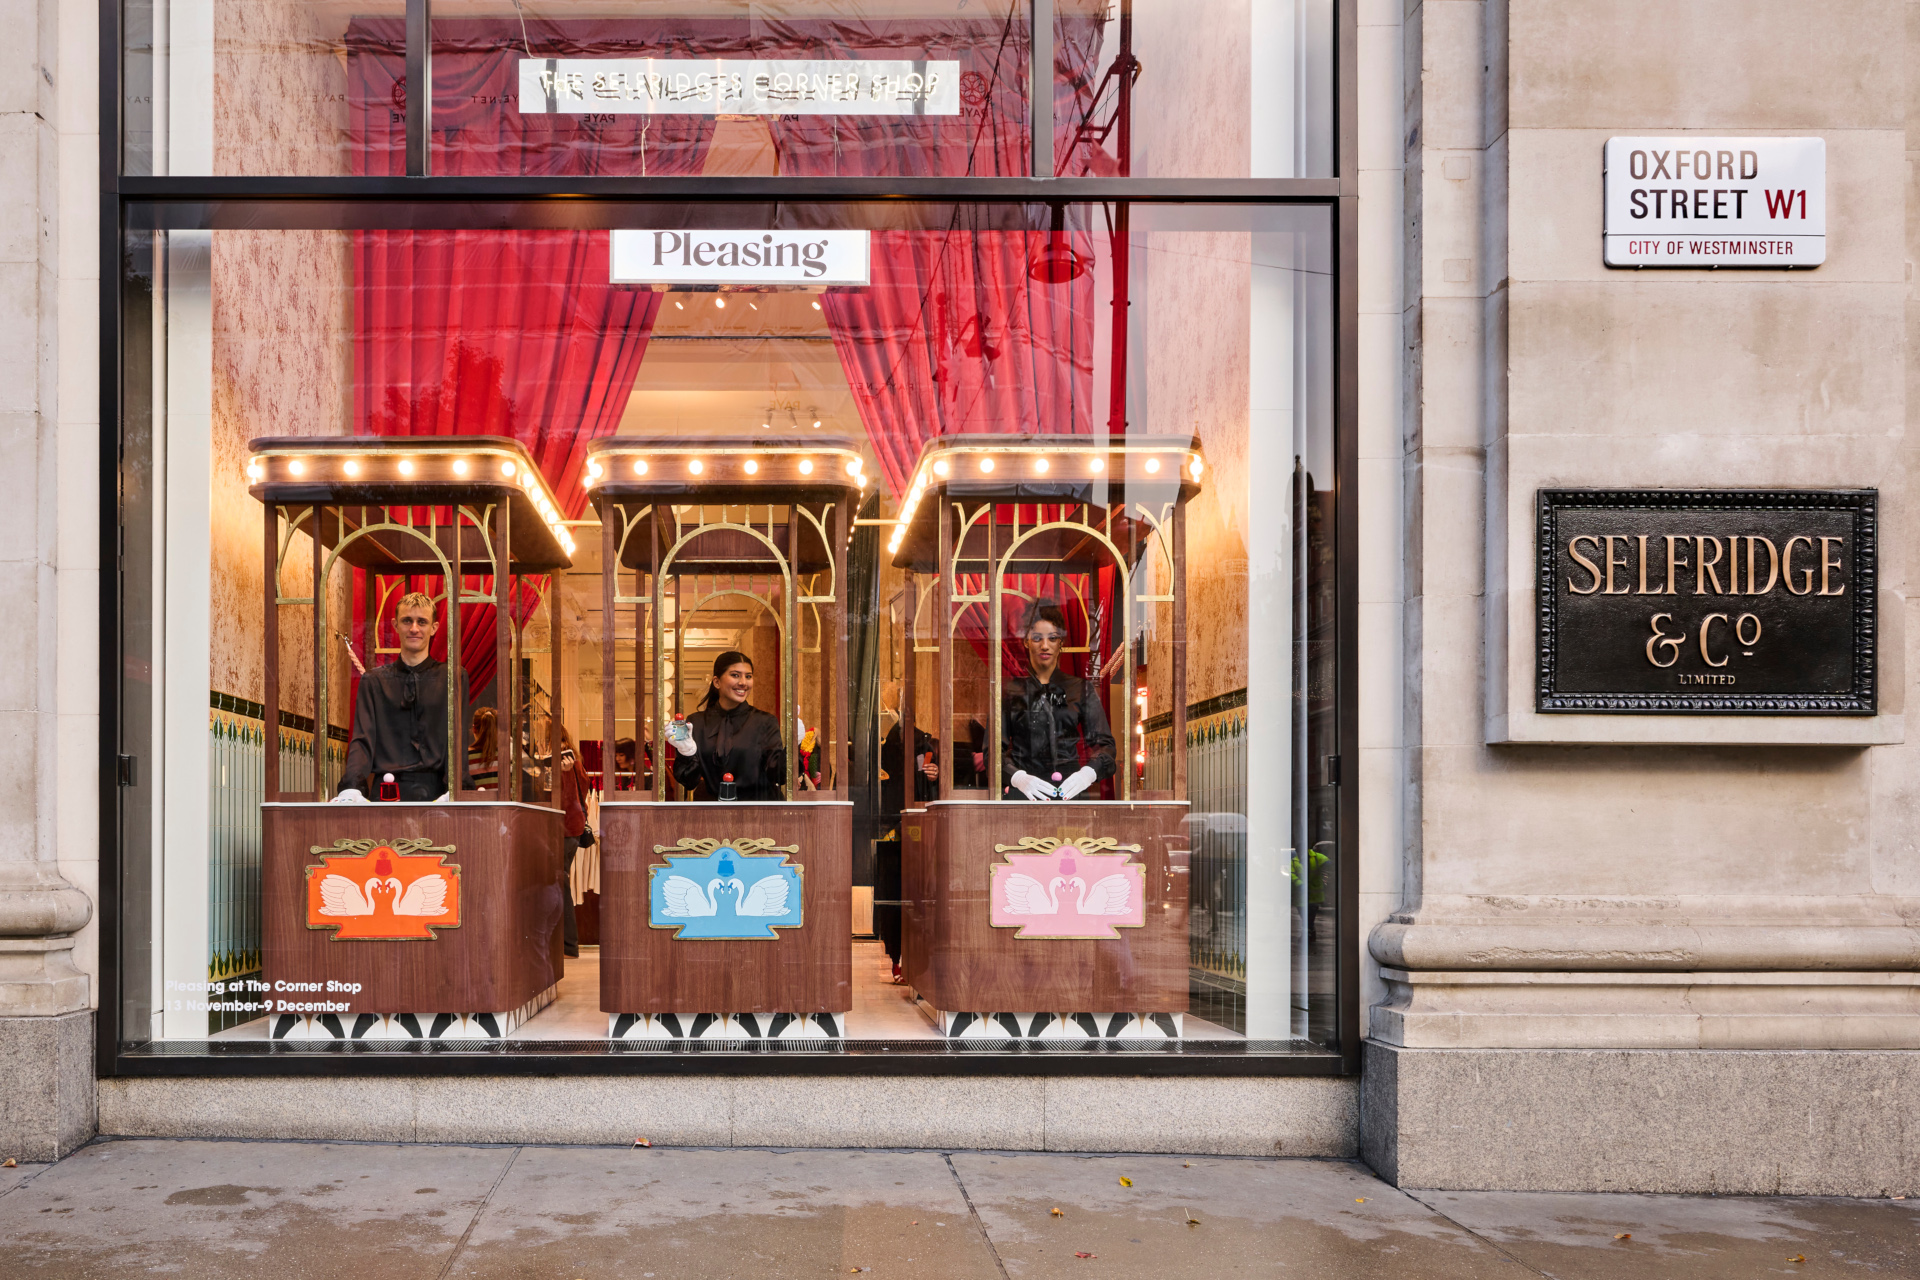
(407,1026)
(727,1026)
(1061,1026)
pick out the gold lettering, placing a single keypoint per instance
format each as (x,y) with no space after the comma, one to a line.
(1674,565)
(1773,565)
(1670,643)
(1643,565)
(1573,549)
(1827,565)
(1705,570)
(1613,562)
(1740,630)
(1705,626)
(1786,560)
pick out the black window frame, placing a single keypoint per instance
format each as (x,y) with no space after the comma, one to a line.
(350,201)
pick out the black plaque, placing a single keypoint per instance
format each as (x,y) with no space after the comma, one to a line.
(1707,602)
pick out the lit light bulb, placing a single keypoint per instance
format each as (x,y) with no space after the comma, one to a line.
(1040,465)
(753,468)
(593,469)
(297,467)
(1196,466)
(507,468)
(406,466)
(639,466)
(351,467)
(853,468)
(586,482)
(806,466)
(1098,465)
(253,472)
(940,467)
(459,466)
(696,466)
(1153,464)
(986,464)
(860,481)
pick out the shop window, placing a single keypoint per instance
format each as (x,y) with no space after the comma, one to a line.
(1045,492)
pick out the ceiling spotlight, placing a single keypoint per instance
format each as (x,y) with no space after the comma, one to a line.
(806,466)
(297,467)
(986,464)
(406,466)
(351,467)
(507,468)
(1153,464)
(753,468)
(696,466)
(459,466)
(639,466)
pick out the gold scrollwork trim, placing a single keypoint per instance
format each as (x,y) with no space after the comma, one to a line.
(1085,844)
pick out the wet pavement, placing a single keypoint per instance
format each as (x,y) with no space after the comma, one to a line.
(293,1210)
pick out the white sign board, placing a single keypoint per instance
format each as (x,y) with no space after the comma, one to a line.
(717,86)
(1716,202)
(804,258)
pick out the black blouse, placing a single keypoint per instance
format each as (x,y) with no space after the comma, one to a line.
(1042,726)
(744,742)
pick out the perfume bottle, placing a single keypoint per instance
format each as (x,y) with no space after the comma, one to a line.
(728,791)
(389,789)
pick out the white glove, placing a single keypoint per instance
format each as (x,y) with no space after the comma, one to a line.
(1032,788)
(350,796)
(1083,778)
(684,746)
(445,798)
(802,726)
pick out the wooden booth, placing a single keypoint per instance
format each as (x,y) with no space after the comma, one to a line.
(391,919)
(1048,919)
(726,919)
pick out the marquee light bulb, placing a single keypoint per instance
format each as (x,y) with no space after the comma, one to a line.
(753,468)
(696,466)
(853,468)
(1099,465)
(297,467)
(639,466)
(459,466)
(507,468)
(1196,466)
(593,469)
(351,467)
(406,466)
(806,466)
(1040,465)
(940,467)
(986,464)
(1153,464)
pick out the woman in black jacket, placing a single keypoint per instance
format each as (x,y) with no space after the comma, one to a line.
(731,737)
(1046,715)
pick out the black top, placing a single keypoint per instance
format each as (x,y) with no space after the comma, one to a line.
(893,787)
(744,742)
(400,724)
(1042,726)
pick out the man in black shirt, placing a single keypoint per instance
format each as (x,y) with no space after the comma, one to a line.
(400,715)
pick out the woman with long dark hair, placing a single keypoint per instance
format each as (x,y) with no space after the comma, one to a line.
(1046,716)
(731,736)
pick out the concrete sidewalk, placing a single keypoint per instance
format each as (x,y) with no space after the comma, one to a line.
(293,1210)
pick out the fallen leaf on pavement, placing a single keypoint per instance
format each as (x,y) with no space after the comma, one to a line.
(1359,1199)
(1055,1211)
(642,1142)
(1187,1165)
(1798,1257)
(1191,1220)
(11,1163)
(1078,1254)
(1125,1181)
(1624,1235)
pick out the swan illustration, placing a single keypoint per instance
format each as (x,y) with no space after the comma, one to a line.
(340,896)
(685,898)
(1026,896)
(1108,897)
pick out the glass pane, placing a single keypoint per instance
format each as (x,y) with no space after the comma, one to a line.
(739,88)
(1178,89)
(260,87)
(646,487)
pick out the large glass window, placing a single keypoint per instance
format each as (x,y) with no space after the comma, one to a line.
(846,88)
(929,609)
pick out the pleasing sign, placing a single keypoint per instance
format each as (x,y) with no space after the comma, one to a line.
(812,259)
(729,86)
